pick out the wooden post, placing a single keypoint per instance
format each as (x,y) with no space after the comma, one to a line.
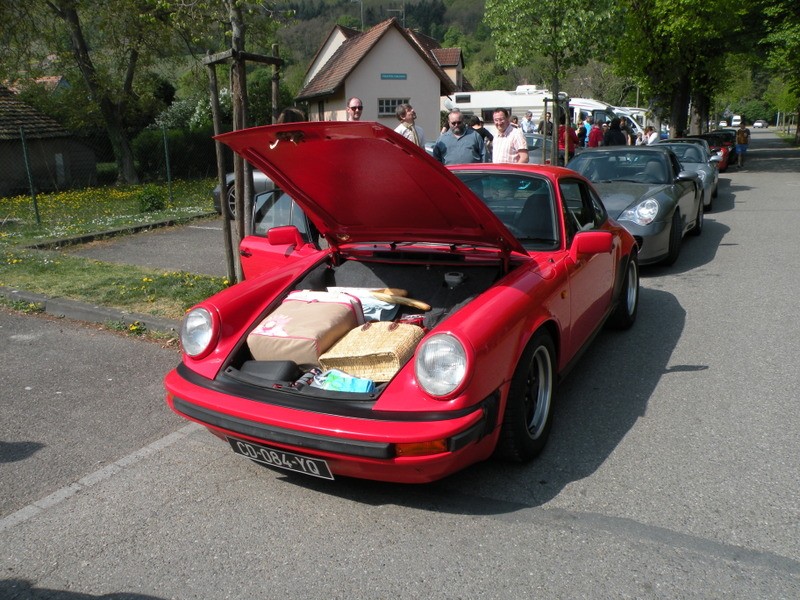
(221,174)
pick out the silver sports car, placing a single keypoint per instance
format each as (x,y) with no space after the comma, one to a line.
(695,155)
(646,189)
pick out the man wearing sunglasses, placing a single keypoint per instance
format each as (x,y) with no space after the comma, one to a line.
(459,144)
(355,108)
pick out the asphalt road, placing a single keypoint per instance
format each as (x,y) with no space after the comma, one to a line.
(672,470)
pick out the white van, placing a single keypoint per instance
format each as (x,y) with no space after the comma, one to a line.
(530,97)
(736,120)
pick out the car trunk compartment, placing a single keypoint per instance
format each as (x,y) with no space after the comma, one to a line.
(444,287)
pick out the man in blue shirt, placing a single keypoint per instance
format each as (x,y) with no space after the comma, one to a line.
(460,144)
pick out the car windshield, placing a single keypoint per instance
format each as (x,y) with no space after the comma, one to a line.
(631,165)
(524,203)
(686,152)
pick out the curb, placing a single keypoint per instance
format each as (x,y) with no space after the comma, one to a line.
(91,313)
(66,308)
(110,233)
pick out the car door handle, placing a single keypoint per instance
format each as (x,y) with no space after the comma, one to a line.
(245,252)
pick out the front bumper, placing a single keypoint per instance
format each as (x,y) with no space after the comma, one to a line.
(653,240)
(352,447)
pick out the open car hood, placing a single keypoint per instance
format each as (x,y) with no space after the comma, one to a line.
(362,182)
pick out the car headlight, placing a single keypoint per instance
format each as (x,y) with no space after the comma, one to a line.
(441,364)
(197,332)
(643,213)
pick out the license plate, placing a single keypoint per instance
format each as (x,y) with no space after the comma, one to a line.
(281,459)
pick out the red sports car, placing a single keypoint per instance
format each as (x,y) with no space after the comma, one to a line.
(461,295)
(718,144)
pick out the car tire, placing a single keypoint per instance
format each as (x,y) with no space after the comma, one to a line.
(529,410)
(675,239)
(699,220)
(624,315)
(230,201)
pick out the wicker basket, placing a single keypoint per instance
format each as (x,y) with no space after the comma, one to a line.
(373,351)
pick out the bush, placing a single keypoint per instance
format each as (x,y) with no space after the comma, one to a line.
(151,199)
(107,173)
(191,154)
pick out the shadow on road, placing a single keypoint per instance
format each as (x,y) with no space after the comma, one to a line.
(24,590)
(768,153)
(597,405)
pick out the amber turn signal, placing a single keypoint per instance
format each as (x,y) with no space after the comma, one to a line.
(421,448)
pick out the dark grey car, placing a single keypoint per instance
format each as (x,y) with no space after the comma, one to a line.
(261,183)
(645,189)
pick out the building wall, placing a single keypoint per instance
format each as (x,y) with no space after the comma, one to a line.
(55,164)
(393,57)
(328,49)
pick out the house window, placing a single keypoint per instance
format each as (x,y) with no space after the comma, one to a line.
(388,106)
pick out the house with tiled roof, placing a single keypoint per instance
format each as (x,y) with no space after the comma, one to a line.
(55,159)
(384,66)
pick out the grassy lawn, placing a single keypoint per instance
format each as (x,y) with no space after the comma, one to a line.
(74,213)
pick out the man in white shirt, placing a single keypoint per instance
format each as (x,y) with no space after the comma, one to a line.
(527,123)
(509,145)
(406,115)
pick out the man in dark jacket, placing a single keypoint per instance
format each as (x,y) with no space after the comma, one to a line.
(614,136)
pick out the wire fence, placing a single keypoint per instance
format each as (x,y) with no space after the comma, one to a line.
(34,163)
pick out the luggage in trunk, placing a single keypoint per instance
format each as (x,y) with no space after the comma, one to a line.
(304,326)
(374,351)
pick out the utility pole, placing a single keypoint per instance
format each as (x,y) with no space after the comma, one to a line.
(402,11)
(361,2)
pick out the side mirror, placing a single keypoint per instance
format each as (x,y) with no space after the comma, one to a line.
(285,235)
(591,242)
(716,157)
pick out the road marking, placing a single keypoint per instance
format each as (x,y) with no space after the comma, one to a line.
(206,228)
(88,481)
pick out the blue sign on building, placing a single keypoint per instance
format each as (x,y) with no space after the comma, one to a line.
(394,76)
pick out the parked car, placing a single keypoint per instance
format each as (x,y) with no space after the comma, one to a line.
(647,191)
(695,155)
(723,123)
(503,272)
(760,124)
(538,143)
(718,145)
(728,136)
(261,183)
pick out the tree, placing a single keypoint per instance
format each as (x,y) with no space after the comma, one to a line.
(676,49)
(566,32)
(783,44)
(109,44)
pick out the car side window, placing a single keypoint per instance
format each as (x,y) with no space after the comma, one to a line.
(583,210)
(676,166)
(275,209)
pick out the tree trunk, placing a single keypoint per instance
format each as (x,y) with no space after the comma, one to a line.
(111,111)
(700,108)
(679,107)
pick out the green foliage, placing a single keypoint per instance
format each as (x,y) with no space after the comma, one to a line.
(191,153)
(151,199)
(782,18)
(78,212)
(128,287)
(566,32)
(781,97)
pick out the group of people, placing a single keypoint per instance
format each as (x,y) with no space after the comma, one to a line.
(468,141)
